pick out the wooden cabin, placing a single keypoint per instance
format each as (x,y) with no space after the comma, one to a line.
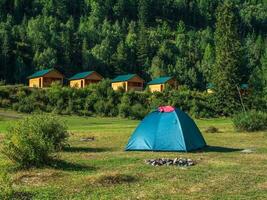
(210,88)
(128,82)
(83,79)
(44,78)
(159,84)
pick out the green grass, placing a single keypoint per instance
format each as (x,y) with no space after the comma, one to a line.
(101,169)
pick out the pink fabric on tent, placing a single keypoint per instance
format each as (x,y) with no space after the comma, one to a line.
(166,109)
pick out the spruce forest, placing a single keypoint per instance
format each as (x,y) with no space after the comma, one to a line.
(196,41)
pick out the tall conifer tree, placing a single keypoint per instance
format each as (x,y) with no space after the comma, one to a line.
(228,57)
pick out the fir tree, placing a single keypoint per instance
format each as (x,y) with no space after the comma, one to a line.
(228,57)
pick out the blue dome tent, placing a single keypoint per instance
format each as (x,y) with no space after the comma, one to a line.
(166,129)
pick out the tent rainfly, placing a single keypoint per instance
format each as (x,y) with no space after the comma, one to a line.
(166,129)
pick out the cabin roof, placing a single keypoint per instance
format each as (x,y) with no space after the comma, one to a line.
(244,86)
(81,75)
(160,80)
(123,78)
(40,73)
(210,86)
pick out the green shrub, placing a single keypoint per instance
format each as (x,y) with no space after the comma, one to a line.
(33,140)
(6,188)
(100,99)
(157,99)
(102,108)
(124,110)
(138,111)
(250,121)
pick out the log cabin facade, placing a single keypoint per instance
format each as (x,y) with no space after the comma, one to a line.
(128,82)
(44,78)
(84,79)
(159,84)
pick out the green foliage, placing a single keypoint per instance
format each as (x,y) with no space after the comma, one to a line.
(151,38)
(138,111)
(6,187)
(228,56)
(101,100)
(250,121)
(33,140)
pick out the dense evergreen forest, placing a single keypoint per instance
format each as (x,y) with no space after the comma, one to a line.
(187,39)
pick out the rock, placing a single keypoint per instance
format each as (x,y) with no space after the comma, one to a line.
(88,139)
(247,151)
(181,162)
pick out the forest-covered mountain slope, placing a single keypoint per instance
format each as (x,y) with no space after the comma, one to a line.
(148,37)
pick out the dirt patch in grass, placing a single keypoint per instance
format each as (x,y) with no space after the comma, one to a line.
(114,179)
(36,179)
(262,186)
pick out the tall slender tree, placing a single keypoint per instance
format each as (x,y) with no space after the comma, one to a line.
(228,57)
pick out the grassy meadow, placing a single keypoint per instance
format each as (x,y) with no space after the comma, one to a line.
(101,169)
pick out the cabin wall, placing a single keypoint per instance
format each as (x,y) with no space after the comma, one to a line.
(35,82)
(136,86)
(156,88)
(136,79)
(210,91)
(116,86)
(76,83)
(91,81)
(47,81)
(172,83)
(94,76)
(161,87)
(54,74)
(135,83)
(51,77)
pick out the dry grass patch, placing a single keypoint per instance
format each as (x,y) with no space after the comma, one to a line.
(262,186)
(36,178)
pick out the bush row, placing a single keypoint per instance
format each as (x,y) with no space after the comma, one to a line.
(101,100)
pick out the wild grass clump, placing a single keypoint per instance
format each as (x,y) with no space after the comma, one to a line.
(6,188)
(250,121)
(212,129)
(32,141)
